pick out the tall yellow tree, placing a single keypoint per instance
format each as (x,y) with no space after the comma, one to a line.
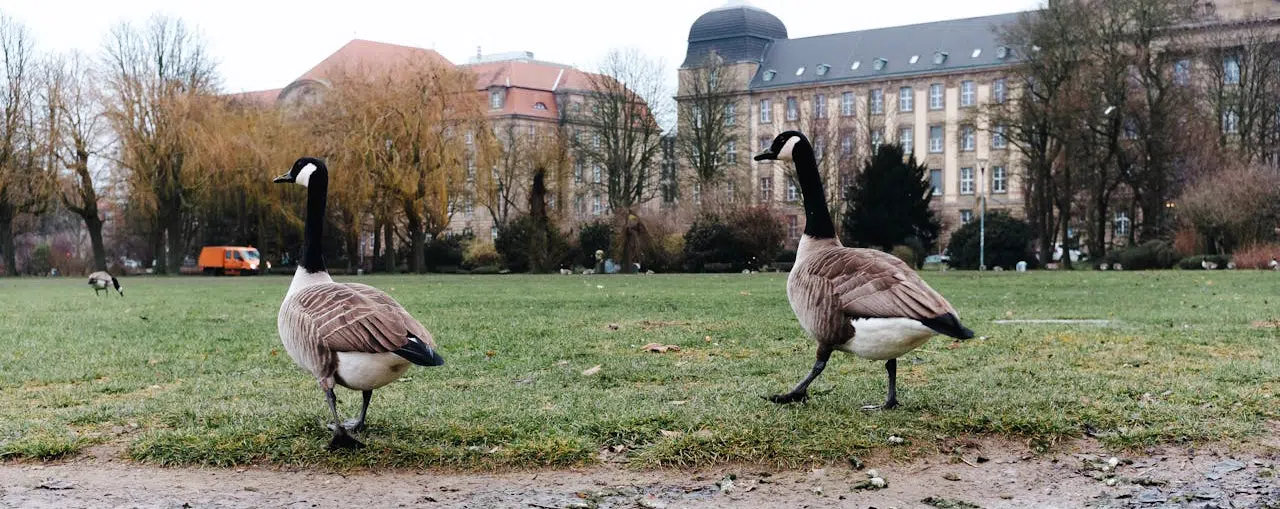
(23,176)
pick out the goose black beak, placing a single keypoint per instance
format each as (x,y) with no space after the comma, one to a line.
(286,178)
(766,155)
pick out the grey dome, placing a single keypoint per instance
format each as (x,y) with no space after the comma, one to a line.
(736,32)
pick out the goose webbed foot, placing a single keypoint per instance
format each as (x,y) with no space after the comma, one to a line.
(343,440)
(891,402)
(789,397)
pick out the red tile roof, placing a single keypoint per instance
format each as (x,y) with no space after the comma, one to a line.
(360,52)
(263,97)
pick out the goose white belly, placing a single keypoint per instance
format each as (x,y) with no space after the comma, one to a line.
(369,371)
(882,339)
(99,284)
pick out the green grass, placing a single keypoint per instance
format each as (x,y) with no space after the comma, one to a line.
(190,370)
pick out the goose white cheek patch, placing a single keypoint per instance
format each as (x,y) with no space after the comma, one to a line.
(304,176)
(785,153)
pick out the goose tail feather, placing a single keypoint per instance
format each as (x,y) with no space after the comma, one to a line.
(417,352)
(949,325)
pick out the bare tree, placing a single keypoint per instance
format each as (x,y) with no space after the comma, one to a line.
(709,137)
(77,140)
(1241,91)
(23,179)
(621,134)
(159,80)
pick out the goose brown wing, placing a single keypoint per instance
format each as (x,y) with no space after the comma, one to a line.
(873,284)
(357,318)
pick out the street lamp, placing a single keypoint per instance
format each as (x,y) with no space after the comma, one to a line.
(982,220)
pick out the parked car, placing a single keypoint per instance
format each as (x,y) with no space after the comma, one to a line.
(230,260)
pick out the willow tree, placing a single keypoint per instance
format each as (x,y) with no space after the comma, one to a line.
(709,139)
(23,176)
(159,83)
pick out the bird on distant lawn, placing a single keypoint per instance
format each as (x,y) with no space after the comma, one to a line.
(100,280)
(861,301)
(347,334)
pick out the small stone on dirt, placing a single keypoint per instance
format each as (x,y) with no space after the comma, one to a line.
(873,473)
(855,463)
(1152,496)
(951,476)
(56,484)
(649,502)
(592,370)
(896,440)
(949,503)
(660,348)
(613,326)
(726,484)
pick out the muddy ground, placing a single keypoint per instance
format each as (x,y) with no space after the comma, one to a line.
(985,473)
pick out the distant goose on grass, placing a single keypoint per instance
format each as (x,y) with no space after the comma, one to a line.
(347,334)
(860,301)
(100,280)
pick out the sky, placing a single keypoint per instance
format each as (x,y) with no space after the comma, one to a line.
(266,44)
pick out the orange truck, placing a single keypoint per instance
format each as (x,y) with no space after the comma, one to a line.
(230,260)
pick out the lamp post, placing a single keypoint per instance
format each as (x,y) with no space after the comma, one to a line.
(982,219)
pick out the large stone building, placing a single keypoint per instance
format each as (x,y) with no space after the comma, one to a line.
(529,103)
(922,85)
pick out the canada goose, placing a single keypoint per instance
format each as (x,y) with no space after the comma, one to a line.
(347,334)
(860,301)
(99,281)
(1208,265)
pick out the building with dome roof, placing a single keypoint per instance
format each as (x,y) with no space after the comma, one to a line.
(920,85)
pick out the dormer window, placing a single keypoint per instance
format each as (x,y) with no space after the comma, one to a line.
(1002,52)
(495,99)
(976,52)
(822,69)
(880,63)
(939,58)
(769,74)
(799,71)
(856,64)
(914,59)
(540,106)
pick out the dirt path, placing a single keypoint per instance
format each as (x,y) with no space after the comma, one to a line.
(988,473)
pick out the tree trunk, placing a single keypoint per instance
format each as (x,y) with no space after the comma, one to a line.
(177,243)
(417,242)
(6,244)
(389,249)
(158,264)
(377,243)
(95,238)
(353,250)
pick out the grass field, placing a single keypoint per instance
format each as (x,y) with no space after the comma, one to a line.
(190,370)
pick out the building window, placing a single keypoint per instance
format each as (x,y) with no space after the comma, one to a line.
(577,172)
(493,233)
(820,106)
(580,205)
(730,114)
(1182,72)
(819,148)
(469,206)
(1231,70)
(879,63)
(935,96)
(765,141)
(822,69)
(1130,129)
(766,189)
(966,181)
(731,152)
(999,91)
(968,93)
(471,170)
(966,215)
(1230,122)
(595,141)
(1122,223)
(846,184)
(597,206)
(999,180)
(793,227)
(595,173)
(769,74)
(846,104)
(766,113)
(968,138)
(732,191)
(697,192)
(906,138)
(495,99)
(877,101)
(935,139)
(997,137)
(846,145)
(793,109)
(877,138)
(793,194)
(906,99)
(471,137)
(540,106)
(935,180)
(697,116)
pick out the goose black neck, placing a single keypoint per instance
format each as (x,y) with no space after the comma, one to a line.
(817,222)
(313,233)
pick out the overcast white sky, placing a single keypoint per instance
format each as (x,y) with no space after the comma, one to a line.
(264,44)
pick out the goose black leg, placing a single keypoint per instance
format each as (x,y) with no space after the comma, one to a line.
(357,424)
(890,366)
(801,391)
(341,439)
